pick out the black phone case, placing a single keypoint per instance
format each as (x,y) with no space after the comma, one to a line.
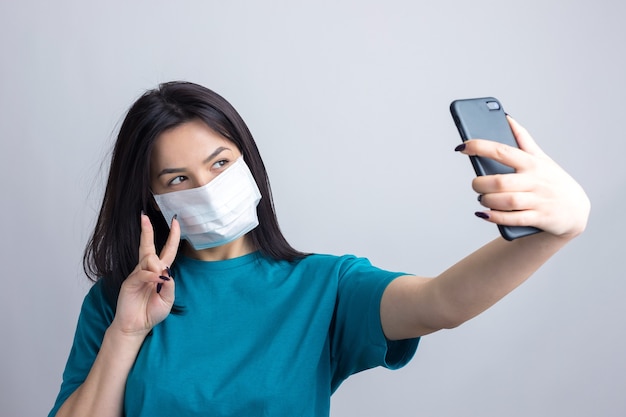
(484,118)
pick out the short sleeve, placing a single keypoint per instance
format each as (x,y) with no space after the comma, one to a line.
(357,339)
(96,315)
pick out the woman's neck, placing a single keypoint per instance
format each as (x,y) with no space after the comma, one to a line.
(234,249)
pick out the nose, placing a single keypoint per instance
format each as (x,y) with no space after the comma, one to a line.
(201,181)
(203,178)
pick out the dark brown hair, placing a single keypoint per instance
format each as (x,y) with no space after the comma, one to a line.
(112,251)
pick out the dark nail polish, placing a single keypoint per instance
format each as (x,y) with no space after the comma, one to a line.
(175,217)
(159,286)
(481,214)
(164,278)
(480,197)
(169,271)
(460,147)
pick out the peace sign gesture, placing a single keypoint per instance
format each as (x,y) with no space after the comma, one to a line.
(147,295)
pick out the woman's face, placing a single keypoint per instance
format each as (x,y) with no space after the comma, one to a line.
(189,156)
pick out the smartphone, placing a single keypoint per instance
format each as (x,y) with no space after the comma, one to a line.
(484,118)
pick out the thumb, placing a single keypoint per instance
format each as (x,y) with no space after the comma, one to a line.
(523,138)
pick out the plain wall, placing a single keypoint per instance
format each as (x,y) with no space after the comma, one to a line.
(348,101)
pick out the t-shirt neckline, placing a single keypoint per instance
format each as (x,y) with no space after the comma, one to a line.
(218,265)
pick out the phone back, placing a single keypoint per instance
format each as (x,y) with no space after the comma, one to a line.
(484,118)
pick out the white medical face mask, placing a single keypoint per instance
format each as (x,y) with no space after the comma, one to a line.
(218,212)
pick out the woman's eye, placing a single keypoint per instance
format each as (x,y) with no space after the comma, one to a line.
(220,164)
(177,180)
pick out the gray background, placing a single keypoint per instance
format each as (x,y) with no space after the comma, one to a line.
(348,101)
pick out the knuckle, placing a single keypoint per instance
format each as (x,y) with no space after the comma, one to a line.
(144,258)
(524,217)
(500,181)
(514,201)
(150,262)
(502,150)
(477,184)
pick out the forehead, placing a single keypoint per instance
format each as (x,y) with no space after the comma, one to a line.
(187,142)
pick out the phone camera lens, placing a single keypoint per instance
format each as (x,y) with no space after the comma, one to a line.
(493,105)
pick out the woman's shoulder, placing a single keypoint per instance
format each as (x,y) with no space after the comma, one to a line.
(97,300)
(336,262)
(329,258)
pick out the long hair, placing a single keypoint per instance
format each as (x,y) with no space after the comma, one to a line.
(112,251)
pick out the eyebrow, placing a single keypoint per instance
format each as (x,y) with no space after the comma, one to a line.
(215,153)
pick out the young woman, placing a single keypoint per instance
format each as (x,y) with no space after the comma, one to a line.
(201,307)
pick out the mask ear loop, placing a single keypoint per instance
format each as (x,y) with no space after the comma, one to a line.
(153,202)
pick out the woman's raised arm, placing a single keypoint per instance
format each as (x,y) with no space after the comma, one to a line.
(540,194)
(146,298)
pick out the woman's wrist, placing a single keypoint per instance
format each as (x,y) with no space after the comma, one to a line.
(129,341)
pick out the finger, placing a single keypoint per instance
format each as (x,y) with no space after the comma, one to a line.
(143,276)
(153,264)
(166,290)
(147,286)
(501,183)
(146,240)
(508,201)
(523,138)
(168,254)
(511,218)
(505,154)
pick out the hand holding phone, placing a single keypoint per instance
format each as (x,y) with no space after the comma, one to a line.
(484,118)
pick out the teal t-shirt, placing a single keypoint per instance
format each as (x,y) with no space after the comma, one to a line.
(259,337)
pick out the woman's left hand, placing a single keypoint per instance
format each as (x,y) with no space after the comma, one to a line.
(540,193)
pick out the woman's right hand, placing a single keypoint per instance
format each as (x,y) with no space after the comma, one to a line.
(147,295)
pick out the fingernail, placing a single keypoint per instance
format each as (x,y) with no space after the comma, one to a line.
(159,286)
(164,278)
(460,147)
(169,271)
(143,212)
(481,214)
(175,217)
(480,197)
